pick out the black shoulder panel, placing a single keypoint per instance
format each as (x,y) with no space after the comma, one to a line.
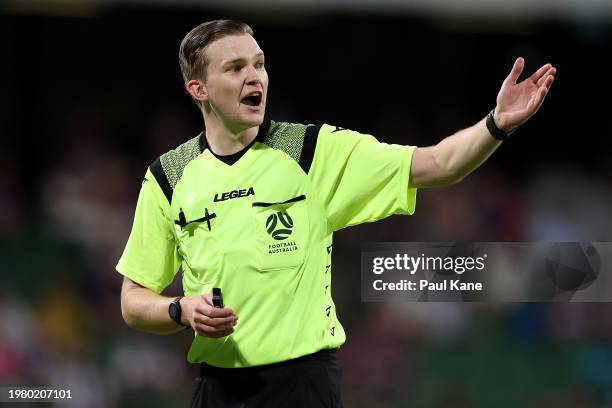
(162,180)
(310,144)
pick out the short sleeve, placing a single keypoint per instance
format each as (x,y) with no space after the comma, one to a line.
(360,179)
(150,257)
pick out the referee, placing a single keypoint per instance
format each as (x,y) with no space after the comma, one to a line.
(250,206)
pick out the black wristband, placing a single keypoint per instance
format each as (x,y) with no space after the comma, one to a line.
(496,132)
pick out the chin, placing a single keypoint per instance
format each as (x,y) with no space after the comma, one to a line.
(254,119)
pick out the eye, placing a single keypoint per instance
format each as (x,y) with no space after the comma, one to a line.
(259,65)
(233,68)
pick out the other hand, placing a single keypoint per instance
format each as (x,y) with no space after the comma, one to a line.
(206,319)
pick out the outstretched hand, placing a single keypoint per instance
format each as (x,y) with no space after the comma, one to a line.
(517,102)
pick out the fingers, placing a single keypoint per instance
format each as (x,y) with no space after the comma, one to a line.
(544,88)
(516,71)
(214,327)
(213,322)
(536,101)
(547,80)
(536,76)
(540,96)
(208,299)
(212,311)
(214,333)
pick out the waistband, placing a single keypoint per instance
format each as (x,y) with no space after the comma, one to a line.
(321,355)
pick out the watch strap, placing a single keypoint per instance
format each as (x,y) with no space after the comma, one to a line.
(176,304)
(496,132)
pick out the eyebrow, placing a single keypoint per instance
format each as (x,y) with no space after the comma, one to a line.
(259,54)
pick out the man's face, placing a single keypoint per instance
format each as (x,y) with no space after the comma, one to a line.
(236,81)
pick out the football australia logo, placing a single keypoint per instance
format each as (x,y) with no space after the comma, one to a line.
(279,225)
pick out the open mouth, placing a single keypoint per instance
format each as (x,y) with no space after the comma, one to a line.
(252,99)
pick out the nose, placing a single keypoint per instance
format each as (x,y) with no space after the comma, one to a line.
(253,76)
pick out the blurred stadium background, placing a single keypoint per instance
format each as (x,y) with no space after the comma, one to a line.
(91,94)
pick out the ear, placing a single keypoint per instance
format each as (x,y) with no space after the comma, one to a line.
(197,90)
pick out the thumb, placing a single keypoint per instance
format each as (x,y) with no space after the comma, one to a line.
(516,71)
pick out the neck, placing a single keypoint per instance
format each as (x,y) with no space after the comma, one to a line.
(224,140)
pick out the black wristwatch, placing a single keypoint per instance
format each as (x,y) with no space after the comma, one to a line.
(175,312)
(494,130)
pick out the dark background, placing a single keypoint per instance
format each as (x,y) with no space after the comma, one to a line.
(92,94)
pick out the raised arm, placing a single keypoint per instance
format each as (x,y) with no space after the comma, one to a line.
(456,156)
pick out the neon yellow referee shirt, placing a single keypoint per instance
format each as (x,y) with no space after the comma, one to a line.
(261,230)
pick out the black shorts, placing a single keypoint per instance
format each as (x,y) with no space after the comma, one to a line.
(311,381)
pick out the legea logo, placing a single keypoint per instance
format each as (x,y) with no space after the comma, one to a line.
(279,225)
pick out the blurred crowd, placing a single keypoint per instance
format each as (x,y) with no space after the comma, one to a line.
(60,319)
(63,230)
